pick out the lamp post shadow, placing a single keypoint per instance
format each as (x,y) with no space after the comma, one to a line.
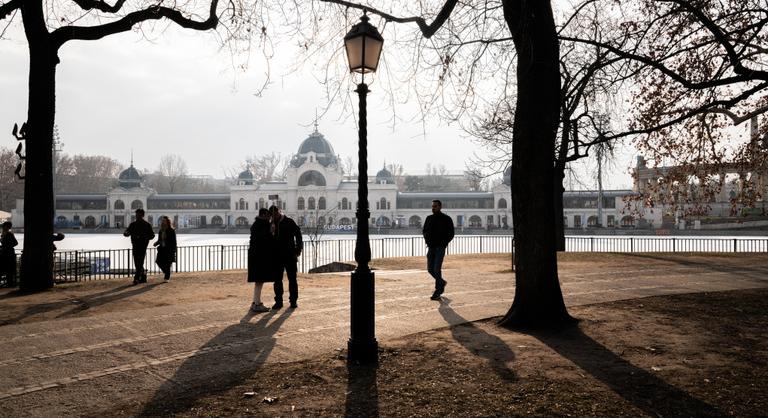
(225,361)
(362,396)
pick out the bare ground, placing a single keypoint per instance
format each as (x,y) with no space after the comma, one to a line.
(703,354)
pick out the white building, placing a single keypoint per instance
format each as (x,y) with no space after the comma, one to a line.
(317,194)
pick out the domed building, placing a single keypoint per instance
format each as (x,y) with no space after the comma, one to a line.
(129,178)
(245,178)
(384,176)
(317,194)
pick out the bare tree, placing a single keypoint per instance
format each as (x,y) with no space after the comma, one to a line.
(267,167)
(468,43)
(85,173)
(50,24)
(11,188)
(475,178)
(350,167)
(173,168)
(699,67)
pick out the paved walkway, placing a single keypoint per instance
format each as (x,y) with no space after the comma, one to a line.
(80,366)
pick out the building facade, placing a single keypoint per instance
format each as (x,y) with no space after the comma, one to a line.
(318,195)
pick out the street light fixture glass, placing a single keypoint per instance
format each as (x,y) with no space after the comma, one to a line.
(363,44)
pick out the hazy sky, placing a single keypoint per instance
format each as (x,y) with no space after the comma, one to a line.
(179,94)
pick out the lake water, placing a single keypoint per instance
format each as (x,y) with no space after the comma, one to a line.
(118,241)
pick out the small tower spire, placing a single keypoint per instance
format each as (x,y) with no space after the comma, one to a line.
(315,120)
(131,157)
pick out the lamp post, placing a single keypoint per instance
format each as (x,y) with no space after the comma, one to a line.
(363,45)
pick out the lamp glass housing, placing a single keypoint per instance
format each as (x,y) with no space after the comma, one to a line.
(363,44)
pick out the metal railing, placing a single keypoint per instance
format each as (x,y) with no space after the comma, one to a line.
(103,264)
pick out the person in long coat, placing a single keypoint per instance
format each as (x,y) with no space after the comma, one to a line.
(262,265)
(8,255)
(166,247)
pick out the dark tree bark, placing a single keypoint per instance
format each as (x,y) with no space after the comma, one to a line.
(37,257)
(538,299)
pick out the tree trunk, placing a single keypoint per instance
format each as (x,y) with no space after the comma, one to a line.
(37,257)
(538,299)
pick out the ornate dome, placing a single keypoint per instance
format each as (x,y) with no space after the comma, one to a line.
(246,177)
(384,176)
(508,176)
(315,143)
(129,177)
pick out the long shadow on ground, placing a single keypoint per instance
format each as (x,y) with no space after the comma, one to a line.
(225,361)
(756,273)
(479,342)
(362,391)
(81,303)
(641,388)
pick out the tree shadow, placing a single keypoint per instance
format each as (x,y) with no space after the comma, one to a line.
(91,302)
(711,264)
(362,390)
(641,388)
(225,361)
(83,302)
(479,342)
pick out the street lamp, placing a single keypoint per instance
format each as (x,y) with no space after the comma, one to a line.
(363,45)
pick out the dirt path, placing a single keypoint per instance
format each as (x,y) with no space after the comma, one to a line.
(89,348)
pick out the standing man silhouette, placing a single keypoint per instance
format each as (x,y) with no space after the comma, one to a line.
(438,232)
(141,233)
(289,245)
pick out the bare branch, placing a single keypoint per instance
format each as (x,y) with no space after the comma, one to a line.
(64,34)
(426,29)
(9,7)
(100,5)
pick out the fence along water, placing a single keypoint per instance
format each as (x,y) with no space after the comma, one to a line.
(104,264)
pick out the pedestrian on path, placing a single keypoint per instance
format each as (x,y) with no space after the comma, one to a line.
(8,254)
(289,245)
(166,247)
(141,233)
(438,232)
(262,262)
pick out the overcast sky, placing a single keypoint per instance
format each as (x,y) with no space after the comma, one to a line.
(179,94)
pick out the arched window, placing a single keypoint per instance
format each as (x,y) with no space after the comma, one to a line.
(345,221)
(217,220)
(414,221)
(502,203)
(475,221)
(592,221)
(344,204)
(241,204)
(61,221)
(119,205)
(90,222)
(321,221)
(302,221)
(300,204)
(628,221)
(311,203)
(383,203)
(241,222)
(261,203)
(321,203)
(311,178)
(383,221)
(136,204)
(565,222)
